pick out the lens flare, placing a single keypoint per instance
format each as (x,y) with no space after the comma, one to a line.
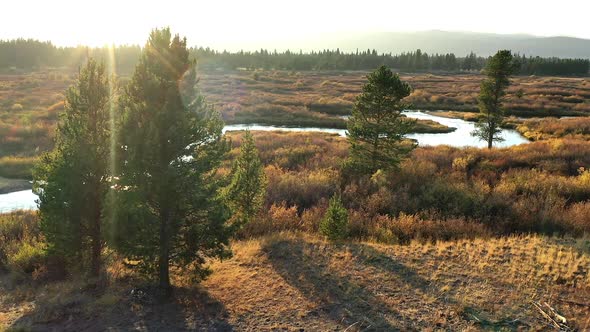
(112,72)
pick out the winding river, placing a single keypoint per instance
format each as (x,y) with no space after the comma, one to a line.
(461,137)
(18,200)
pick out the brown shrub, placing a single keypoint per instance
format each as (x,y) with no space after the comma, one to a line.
(405,228)
(303,189)
(310,218)
(280,217)
(576,218)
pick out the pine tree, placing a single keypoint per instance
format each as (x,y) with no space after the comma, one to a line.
(73,179)
(492,91)
(334,225)
(169,212)
(246,191)
(377,128)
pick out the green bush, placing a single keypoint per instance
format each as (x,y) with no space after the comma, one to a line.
(21,244)
(334,225)
(27,257)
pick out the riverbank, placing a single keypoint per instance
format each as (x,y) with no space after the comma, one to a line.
(552,128)
(466,116)
(421,126)
(533,129)
(509,122)
(12,185)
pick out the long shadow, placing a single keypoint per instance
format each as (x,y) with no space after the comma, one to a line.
(379,260)
(342,301)
(190,310)
(384,262)
(348,303)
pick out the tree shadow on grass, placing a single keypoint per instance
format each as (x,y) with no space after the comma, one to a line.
(379,260)
(342,300)
(191,310)
(308,267)
(468,314)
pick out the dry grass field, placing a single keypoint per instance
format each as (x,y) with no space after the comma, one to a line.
(29,103)
(296,282)
(309,93)
(548,128)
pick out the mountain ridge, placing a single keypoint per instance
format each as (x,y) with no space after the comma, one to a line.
(431,41)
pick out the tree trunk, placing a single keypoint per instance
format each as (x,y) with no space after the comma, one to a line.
(491,129)
(164,259)
(96,241)
(96,250)
(374,155)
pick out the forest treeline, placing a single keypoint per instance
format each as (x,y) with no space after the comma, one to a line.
(30,54)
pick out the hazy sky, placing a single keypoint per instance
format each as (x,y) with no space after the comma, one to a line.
(223,23)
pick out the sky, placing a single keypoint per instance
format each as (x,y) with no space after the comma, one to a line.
(224,24)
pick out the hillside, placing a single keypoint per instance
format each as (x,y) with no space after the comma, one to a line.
(459,43)
(300,283)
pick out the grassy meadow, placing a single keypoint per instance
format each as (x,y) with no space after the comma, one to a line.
(291,281)
(456,239)
(334,92)
(30,103)
(548,128)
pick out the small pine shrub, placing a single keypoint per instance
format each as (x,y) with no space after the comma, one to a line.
(334,225)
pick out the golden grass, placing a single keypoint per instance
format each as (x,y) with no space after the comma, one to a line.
(282,97)
(467,116)
(334,92)
(447,192)
(549,128)
(467,284)
(294,281)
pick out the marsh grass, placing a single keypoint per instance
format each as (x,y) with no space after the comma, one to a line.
(549,128)
(439,193)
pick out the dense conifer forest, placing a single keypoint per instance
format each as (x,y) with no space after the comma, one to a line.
(28,54)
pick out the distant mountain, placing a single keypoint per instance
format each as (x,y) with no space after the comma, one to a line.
(460,43)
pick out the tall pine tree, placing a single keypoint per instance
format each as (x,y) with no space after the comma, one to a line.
(168,202)
(491,95)
(377,128)
(73,179)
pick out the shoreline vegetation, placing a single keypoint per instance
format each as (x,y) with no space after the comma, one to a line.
(420,127)
(303,168)
(12,185)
